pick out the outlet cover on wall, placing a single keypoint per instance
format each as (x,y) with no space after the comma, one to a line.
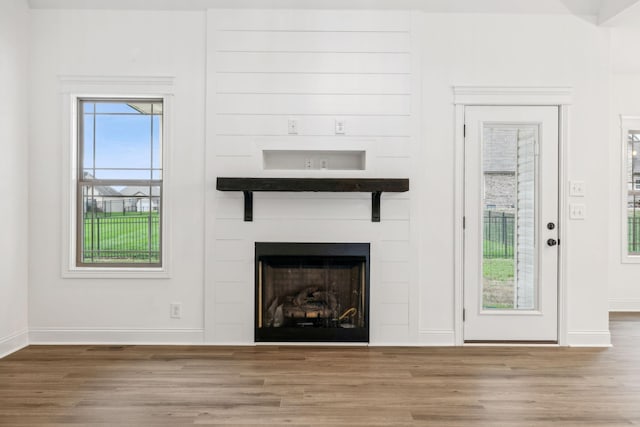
(341,127)
(175,310)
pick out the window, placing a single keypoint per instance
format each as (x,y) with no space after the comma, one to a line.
(119,184)
(630,185)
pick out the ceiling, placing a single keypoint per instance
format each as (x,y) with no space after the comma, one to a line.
(606,12)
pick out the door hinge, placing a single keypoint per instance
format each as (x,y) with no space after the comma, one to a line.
(464,131)
(464,222)
(464,314)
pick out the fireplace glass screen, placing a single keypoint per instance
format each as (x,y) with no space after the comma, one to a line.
(312,292)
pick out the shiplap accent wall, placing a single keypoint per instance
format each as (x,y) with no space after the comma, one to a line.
(265,67)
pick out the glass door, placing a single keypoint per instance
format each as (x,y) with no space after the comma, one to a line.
(511,204)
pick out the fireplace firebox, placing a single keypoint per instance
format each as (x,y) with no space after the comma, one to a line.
(312,292)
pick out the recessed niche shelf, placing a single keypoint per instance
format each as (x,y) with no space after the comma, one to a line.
(348,160)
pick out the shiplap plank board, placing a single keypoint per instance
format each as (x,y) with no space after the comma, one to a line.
(313,104)
(394,251)
(388,334)
(394,229)
(233,292)
(393,314)
(390,271)
(233,313)
(360,126)
(395,209)
(397,84)
(301,230)
(393,167)
(230,249)
(394,147)
(305,208)
(229,208)
(232,271)
(250,145)
(333,62)
(391,293)
(310,20)
(236,166)
(311,41)
(294,208)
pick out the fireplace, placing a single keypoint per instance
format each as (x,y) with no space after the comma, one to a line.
(312,292)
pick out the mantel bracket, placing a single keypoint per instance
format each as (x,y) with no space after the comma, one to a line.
(248,205)
(375,206)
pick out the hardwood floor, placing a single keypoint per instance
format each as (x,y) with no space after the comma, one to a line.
(310,386)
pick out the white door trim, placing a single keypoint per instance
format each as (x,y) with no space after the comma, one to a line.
(515,96)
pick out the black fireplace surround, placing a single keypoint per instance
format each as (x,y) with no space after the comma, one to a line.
(312,292)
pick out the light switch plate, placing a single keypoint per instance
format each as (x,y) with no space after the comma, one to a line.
(577,211)
(292,127)
(341,127)
(577,189)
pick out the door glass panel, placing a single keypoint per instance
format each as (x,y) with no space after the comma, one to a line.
(509,221)
(633,192)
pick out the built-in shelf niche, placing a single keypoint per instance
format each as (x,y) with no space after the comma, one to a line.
(338,160)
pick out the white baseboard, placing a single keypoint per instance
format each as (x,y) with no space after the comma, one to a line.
(624,304)
(14,342)
(440,338)
(116,336)
(589,339)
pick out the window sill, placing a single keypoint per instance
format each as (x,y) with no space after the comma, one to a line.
(115,273)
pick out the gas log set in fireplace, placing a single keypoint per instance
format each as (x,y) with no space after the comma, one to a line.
(316,292)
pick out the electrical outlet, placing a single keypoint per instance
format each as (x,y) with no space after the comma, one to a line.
(308,163)
(324,163)
(577,189)
(577,211)
(292,127)
(175,310)
(341,127)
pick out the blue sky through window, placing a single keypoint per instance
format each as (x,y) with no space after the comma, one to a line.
(123,142)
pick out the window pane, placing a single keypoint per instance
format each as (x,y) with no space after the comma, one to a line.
(123,141)
(633,189)
(509,257)
(87,148)
(120,225)
(115,107)
(156,143)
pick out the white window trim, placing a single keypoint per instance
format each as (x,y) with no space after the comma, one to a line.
(72,89)
(627,123)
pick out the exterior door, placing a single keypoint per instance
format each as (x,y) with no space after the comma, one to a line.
(511,224)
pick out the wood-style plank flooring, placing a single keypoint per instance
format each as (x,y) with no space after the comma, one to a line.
(311,386)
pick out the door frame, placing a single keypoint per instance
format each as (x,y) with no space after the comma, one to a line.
(465,96)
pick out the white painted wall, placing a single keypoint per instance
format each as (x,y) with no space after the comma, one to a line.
(503,50)
(390,76)
(624,283)
(14,44)
(129,44)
